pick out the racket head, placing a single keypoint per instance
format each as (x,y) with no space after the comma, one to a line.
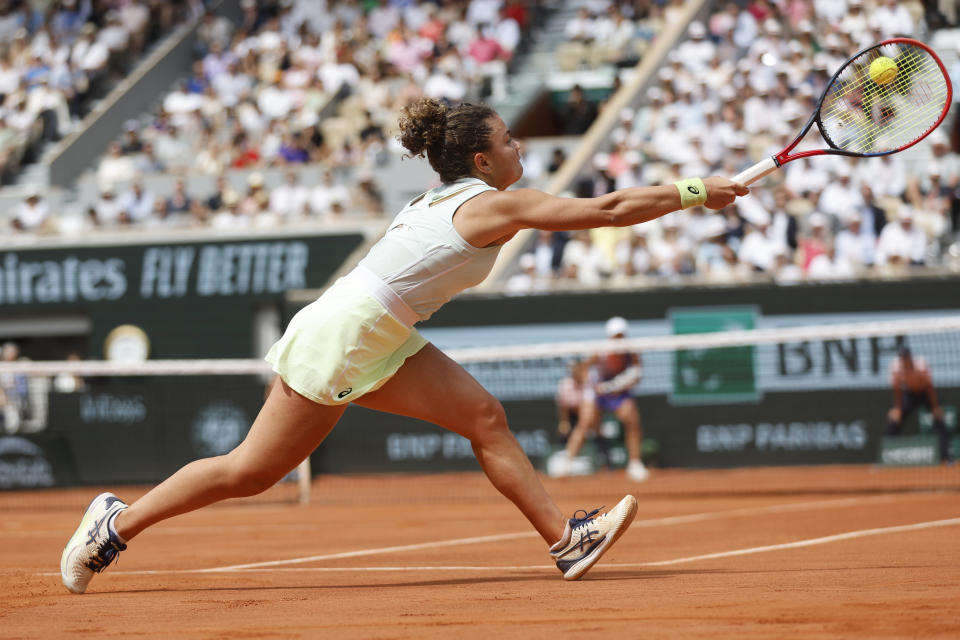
(860,117)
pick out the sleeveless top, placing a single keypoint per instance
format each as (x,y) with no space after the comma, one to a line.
(422,258)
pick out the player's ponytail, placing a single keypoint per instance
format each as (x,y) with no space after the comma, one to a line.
(448,137)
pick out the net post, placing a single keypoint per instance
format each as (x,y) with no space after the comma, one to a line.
(304,481)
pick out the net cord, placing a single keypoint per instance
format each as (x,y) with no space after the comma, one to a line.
(515,352)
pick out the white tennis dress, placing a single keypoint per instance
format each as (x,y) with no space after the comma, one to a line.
(353,338)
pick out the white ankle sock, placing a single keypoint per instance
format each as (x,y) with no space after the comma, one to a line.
(113,530)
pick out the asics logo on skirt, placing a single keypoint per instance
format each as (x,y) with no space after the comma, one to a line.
(345,392)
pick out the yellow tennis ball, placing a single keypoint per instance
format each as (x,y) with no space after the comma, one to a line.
(883,70)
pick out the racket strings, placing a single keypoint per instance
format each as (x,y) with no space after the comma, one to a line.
(892,113)
(862,116)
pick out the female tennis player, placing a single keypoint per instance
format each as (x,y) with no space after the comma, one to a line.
(356,343)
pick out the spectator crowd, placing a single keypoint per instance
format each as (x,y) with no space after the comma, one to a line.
(737,89)
(289,87)
(55,56)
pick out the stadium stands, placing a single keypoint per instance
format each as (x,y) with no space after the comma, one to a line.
(289,97)
(55,58)
(737,89)
(290,87)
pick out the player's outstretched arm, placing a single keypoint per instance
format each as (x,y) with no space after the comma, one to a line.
(496,214)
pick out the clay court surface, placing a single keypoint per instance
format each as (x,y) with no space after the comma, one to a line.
(768,553)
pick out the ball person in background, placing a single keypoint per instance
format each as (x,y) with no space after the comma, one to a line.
(357,344)
(912,385)
(613,376)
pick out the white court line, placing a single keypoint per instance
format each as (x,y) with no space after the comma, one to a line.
(797,544)
(277,565)
(810,542)
(653,522)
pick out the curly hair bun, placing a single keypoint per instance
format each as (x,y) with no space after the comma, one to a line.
(423,125)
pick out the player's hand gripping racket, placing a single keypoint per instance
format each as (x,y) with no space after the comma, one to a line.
(884,99)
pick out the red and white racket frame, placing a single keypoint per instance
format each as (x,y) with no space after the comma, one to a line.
(772,163)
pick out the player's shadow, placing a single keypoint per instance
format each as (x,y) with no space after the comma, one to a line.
(608,574)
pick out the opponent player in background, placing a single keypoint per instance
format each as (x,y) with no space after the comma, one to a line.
(912,385)
(613,377)
(356,343)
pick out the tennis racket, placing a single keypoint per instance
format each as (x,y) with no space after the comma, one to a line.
(863,117)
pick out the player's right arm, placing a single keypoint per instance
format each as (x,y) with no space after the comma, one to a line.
(493,215)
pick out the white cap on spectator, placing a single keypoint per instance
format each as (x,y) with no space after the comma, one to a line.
(850,216)
(697,30)
(938,137)
(805,26)
(905,212)
(771,26)
(792,111)
(616,326)
(255,179)
(632,157)
(640,230)
(760,85)
(821,61)
(601,160)
(654,94)
(842,171)
(817,220)
(670,222)
(627,114)
(527,261)
(759,217)
(714,226)
(753,212)
(738,141)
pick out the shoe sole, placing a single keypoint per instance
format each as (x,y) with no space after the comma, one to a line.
(576,571)
(75,542)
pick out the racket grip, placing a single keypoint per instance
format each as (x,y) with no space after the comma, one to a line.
(757,171)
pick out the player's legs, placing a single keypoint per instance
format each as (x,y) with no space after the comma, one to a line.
(939,427)
(287,429)
(895,418)
(587,420)
(629,416)
(432,387)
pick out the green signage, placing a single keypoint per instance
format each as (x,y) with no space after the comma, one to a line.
(702,376)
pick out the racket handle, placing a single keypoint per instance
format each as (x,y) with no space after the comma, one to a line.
(757,171)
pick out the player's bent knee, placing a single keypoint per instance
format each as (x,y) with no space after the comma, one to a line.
(489,419)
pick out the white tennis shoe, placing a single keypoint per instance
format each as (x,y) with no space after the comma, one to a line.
(93,545)
(586,539)
(637,472)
